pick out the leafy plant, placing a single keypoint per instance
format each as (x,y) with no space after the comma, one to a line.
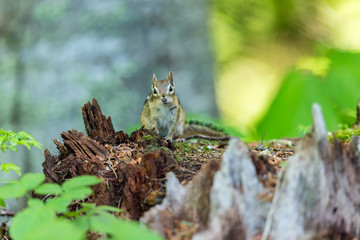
(50,219)
(9,140)
(21,138)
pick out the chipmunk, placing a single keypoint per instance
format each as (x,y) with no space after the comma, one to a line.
(162,110)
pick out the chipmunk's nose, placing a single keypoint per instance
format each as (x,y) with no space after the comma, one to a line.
(163,96)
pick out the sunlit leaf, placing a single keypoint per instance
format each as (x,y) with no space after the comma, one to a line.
(81,181)
(48,188)
(58,204)
(109,208)
(31,180)
(121,229)
(6,167)
(40,222)
(12,190)
(77,193)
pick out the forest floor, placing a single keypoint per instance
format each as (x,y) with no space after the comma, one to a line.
(268,158)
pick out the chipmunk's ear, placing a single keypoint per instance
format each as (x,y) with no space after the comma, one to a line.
(154,80)
(170,78)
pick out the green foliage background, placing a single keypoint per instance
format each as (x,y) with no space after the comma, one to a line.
(337,92)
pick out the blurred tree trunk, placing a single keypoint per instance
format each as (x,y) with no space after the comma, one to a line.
(14,20)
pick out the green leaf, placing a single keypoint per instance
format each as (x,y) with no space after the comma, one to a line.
(77,193)
(28,219)
(58,204)
(82,222)
(108,208)
(48,188)
(103,223)
(6,167)
(34,202)
(81,181)
(58,229)
(85,207)
(2,203)
(13,148)
(31,180)
(337,93)
(40,222)
(12,190)
(120,229)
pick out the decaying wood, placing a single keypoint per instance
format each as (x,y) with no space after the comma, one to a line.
(97,126)
(320,191)
(317,194)
(220,201)
(133,185)
(188,203)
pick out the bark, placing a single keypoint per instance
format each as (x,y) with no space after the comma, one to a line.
(133,185)
(320,190)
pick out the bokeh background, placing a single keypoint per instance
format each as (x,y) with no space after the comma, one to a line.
(252,66)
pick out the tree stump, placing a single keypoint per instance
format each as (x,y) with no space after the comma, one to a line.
(319,195)
(133,168)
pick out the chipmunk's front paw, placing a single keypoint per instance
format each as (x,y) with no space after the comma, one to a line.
(155,129)
(167,138)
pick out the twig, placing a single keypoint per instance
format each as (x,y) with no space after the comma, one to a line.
(6,213)
(109,164)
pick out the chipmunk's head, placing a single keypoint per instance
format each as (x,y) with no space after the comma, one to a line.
(164,90)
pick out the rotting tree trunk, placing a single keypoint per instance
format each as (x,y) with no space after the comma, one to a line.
(133,185)
(317,195)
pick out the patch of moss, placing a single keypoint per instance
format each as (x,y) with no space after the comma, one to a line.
(147,137)
(185,147)
(344,135)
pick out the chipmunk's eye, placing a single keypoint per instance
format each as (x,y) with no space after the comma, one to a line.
(155,92)
(170,89)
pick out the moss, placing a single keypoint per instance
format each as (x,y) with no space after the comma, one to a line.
(344,135)
(147,137)
(185,147)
